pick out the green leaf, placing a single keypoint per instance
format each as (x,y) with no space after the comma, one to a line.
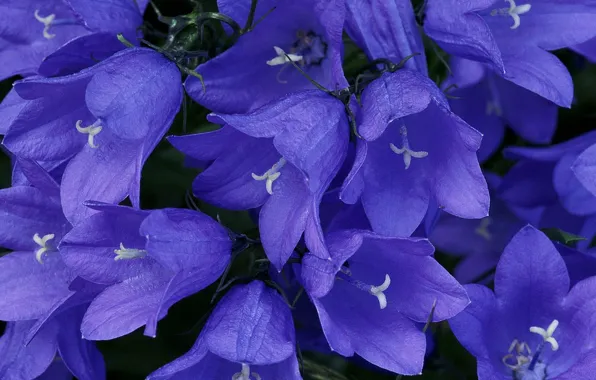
(561,236)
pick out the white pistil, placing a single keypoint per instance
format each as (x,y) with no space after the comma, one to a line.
(514,11)
(282,58)
(128,253)
(43,243)
(547,334)
(482,228)
(270,175)
(245,374)
(377,291)
(91,130)
(405,150)
(47,23)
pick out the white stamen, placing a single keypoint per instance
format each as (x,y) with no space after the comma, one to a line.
(282,58)
(522,355)
(91,130)
(128,253)
(377,291)
(406,151)
(547,334)
(47,23)
(482,228)
(514,11)
(271,175)
(43,243)
(245,374)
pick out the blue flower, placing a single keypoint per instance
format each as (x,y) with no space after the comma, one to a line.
(309,30)
(148,261)
(414,149)
(372,292)
(249,335)
(104,121)
(532,326)
(514,37)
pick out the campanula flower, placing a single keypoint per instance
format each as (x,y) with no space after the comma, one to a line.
(533,326)
(372,292)
(309,31)
(249,335)
(104,121)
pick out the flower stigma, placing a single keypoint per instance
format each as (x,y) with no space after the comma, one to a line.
(405,149)
(514,11)
(47,23)
(377,291)
(128,253)
(245,374)
(270,175)
(43,244)
(92,130)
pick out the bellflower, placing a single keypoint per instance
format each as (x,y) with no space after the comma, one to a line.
(513,37)
(32,29)
(249,335)
(478,242)
(488,103)
(532,326)
(414,149)
(282,157)
(372,292)
(147,260)
(386,29)
(310,31)
(104,121)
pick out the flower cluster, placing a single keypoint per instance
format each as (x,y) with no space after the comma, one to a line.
(351,169)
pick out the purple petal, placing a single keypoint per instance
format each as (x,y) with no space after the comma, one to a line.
(386,30)
(283,218)
(183,239)
(251,324)
(18,361)
(30,289)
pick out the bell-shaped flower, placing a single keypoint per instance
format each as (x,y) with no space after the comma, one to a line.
(309,31)
(249,336)
(514,38)
(532,326)
(147,260)
(386,30)
(414,149)
(373,292)
(104,121)
(282,157)
(488,103)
